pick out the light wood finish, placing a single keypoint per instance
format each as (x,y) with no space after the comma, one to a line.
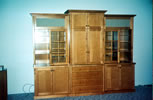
(79,49)
(95,22)
(87,28)
(85,72)
(60,80)
(78,21)
(127,77)
(51,81)
(87,79)
(112,77)
(43,81)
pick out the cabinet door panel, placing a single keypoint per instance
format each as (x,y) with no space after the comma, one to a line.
(60,80)
(43,82)
(127,77)
(94,47)
(79,46)
(112,78)
(79,20)
(95,20)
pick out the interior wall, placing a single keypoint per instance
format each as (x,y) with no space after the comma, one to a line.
(16,51)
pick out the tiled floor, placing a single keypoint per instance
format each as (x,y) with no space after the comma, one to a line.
(142,93)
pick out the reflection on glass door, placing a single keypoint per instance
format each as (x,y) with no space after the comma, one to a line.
(111,46)
(125,46)
(58,48)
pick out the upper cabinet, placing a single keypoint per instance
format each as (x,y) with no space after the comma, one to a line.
(50,39)
(82,37)
(86,26)
(118,38)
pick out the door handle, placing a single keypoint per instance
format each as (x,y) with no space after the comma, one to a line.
(52,70)
(87,51)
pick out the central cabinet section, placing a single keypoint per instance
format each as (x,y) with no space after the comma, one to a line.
(86,38)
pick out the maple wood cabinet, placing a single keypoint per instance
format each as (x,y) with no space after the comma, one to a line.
(82,52)
(51,81)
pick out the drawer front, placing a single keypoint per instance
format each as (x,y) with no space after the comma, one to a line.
(86,68)
(86,82)
(87,89)
(87,75)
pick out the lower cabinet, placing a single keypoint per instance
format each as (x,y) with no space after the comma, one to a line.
(87,79)
(112,77)
(83,79)
(51,81)
(119,77)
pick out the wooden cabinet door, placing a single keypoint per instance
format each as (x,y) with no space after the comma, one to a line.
(43,81)
(127,77)
(95,24)
(78,20)
(94,46)
(60,80)
(79,46)
(78,38)
(112,77)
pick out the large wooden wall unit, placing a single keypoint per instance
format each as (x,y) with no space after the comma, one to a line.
(82,52)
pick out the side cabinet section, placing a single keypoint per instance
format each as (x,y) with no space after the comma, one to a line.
(119,77)
(112,77)
(60,80)
(127,76)
(51,81)
(43,81)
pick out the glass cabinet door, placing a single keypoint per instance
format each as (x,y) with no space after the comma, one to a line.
(125,46)
(58,47)
(118,44)
(111,46)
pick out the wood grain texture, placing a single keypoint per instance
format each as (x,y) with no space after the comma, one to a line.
(85,72)
(60,80)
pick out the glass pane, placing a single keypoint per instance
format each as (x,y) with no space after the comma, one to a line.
(114,56)
(124,35)
(117,22)
(125,46)
(50,22)
(108,58)
(125,56)
(58,46)
(115,45)
(54,59)
(42,56)
(108,36)
(62,58)
(115,35)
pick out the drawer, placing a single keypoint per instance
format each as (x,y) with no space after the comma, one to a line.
(87,75)
(86,68)
(87,82)
(87,89)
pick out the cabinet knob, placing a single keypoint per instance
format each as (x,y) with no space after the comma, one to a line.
(52,70)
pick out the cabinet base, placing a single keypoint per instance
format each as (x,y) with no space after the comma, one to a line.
(83,94)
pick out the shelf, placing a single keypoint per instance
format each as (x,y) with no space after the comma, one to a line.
(123,59)
(59,48)
(108,48)
(42,51)
(124,50)
(108,54)
(58,52)
(58,41)
(124,41)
